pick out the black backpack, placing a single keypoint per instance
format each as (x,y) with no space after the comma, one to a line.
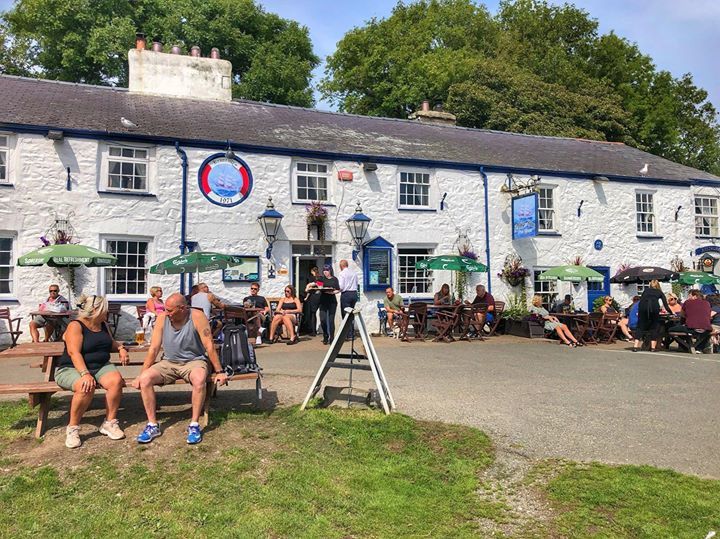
(237,356)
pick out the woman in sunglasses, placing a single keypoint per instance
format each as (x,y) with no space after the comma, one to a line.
(608,307)
(286,314)
(86,362)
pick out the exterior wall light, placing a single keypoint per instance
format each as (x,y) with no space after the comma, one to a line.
(357,225)
(269,222)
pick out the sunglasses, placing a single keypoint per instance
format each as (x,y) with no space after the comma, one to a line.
(254,289)
(56,291)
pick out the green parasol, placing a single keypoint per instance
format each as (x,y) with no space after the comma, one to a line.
(67,255)
(195,263)
(698,277)
(451,263)
(574,274)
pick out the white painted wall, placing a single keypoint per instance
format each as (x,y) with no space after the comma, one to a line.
(28,209)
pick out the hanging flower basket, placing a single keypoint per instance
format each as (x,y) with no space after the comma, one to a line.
(513,272)
(316,217)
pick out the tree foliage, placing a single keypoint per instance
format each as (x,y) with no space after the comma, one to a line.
(87,40)
(531,68)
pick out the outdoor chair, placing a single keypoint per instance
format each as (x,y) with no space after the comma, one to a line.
(607,328)
(141,311)
(113,317)
(279,331)
(382,319)
(472,321)
(415,316)
(445,322)
(499,308)
(14,332)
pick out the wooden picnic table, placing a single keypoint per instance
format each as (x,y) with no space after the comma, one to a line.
(59,321)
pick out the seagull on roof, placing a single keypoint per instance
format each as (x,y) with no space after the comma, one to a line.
(127,123)
(643,171)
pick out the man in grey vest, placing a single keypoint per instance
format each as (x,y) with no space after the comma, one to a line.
(187,343)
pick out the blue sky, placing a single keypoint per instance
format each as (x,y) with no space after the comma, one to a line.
(681,36)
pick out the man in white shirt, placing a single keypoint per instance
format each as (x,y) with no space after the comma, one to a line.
(348,280)
(56,304)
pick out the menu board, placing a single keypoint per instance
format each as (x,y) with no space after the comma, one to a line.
(378,267)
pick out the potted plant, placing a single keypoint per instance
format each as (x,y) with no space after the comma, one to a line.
(513,272)
(315,217)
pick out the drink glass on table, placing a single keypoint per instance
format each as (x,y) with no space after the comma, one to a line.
(140,336)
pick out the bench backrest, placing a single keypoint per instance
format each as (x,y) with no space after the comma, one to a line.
(4,313)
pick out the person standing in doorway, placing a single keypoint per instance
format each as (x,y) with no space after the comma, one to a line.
(312,301)
(328,304)
(348,281)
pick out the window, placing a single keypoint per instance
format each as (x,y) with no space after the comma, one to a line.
(127,168)
(706,216)
(129,276)
(4,142)
(645,219)
(546,289)
(414,190)
(641,286)
(6,265)
(311,181)
(546,209)
(411,280)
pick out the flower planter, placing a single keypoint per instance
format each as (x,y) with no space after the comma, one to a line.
(528,327)
(515,281)
(318,228)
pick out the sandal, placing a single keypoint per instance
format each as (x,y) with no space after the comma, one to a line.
(635,349)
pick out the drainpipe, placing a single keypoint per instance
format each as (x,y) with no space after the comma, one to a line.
(487,230)
(183,209)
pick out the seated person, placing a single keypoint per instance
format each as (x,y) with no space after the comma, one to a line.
(55,303)
(201,298)
(393,305)
(674,303)
(443,297)
(632,314)
(696,312)
(286,314)
(608,308)
(153,306)
(565,306)
(714,300)
(256,323)
(553,324)
(483,297)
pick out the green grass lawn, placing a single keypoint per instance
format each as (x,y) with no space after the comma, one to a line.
(325,473)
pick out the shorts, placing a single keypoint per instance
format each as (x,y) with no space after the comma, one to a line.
(65,377)
(176,370)
(41,321)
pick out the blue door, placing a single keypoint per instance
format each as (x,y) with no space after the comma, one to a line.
(596,290)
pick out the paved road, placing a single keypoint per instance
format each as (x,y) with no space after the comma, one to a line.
(594,403)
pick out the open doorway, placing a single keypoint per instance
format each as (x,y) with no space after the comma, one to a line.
(304,258)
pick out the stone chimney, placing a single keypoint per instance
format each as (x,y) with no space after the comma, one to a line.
(436,116)
(177,75)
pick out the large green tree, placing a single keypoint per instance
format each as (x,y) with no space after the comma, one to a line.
(87,40)
(532,68)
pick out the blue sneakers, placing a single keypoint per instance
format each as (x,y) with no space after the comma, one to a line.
(147,435)
(194,434)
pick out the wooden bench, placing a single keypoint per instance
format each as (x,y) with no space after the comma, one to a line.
(13,332)
(39,393)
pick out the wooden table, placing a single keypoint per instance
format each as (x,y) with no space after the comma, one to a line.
(579,324)
(58,319)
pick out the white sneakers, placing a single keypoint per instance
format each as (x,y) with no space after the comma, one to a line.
(258,340)
(112,430)
(72,437)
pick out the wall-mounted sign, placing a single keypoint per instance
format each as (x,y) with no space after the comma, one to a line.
(525,216)
(225,182)
(377,263)
(248,271)
(707,249)
(598,245)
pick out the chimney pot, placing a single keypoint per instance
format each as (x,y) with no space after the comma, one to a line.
(215,53)
(195,51)
(175,49)
(140,41)
(157,46)
(426,105)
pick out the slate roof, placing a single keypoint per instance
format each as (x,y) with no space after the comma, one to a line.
(35,102)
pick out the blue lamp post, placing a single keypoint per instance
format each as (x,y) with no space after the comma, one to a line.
(357,225)
(269,222)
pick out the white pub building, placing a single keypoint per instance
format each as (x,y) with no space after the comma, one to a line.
(173,164)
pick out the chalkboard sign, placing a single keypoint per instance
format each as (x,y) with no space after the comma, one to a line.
(377,264)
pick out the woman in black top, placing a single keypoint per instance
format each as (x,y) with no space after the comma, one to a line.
(285,314)
(311,303)
(86,362)
(328,304)
(649,315)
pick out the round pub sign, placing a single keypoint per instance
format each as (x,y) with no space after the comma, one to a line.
(225,182)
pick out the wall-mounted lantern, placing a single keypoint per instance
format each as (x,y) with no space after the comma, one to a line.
(357,225)
(269,222)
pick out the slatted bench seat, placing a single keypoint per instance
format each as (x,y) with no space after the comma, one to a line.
(39,393)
